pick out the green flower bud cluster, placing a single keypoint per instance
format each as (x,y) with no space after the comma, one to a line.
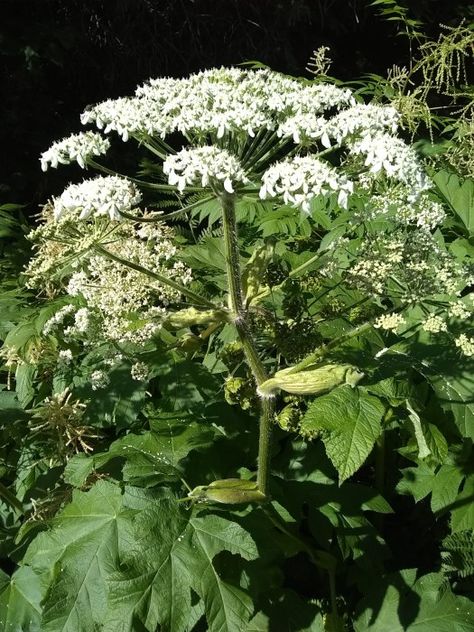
(334,307)
(232,353)
(290,416)
(361,313)
(294,302)
(274,274)
(294,339)
(240,391)
(311,283)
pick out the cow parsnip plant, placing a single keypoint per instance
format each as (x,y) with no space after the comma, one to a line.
(327,303)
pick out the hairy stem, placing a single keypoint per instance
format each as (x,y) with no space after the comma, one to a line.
(236,304)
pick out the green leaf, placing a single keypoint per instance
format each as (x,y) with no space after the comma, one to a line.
(416,481)
(171,554)
(284,221)
(186,384)
(152,457)
(449,375)
(458,554)
(423,449)
(353,421)
(455,394)
(119,404)
(462,514)
(20,599)
(24,376)
(430,440)
(288,613)
(459,195)
(209,254)
(445,487)
(75,555)
(400,604)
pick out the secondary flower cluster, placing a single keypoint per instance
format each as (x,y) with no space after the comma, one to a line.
(78,147)
(307,126)
(207,166)
(110,195)
(395,205)
(408,266)
(109,301)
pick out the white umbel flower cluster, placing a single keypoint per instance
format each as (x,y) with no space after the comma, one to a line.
(215,102)
(109,302)
(361,120)
(409,264)
(389,322)
(75,148)
(109,196)
(205,166)
(354,122)
(434,324)
(299,180)
(459,310)
(391,155)
(465,344)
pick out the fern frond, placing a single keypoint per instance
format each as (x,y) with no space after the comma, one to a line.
(458,554)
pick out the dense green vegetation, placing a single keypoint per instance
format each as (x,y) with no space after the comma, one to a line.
(237,383)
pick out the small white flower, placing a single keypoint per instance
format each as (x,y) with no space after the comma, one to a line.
(65,357)
(459,310)
(82,320)
(58,318)
(139,371)
(391,155)
(99,379)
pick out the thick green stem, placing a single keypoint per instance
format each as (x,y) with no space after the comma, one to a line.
(264,444)
(232,258)
(236,304)
(380,464)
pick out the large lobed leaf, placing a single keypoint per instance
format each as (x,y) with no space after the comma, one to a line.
(459,195)
(174,554)
(122,561)
(76,555)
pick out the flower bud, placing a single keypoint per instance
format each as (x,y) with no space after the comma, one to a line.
(312,381)
(229,491)
(192,316)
